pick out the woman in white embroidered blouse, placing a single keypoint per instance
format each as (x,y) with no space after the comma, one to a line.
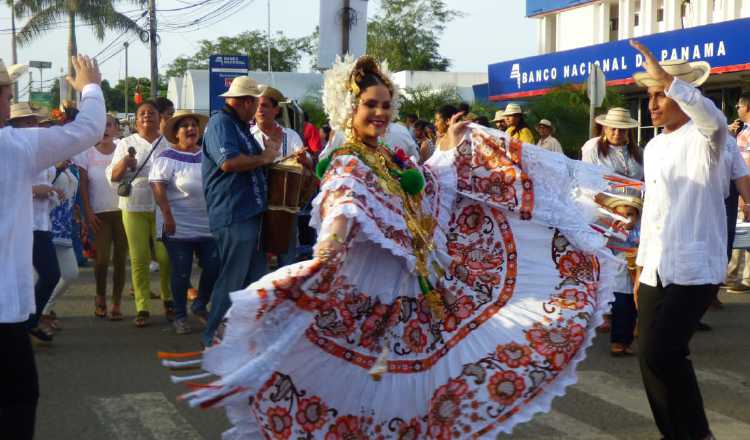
(615,148)
(132,162)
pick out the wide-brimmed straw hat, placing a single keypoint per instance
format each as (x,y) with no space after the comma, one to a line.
(498,116)
(695,73)
(270,92)
(545,122)
(170,131)
(10,74)
(512,109)
(624,196)
(617,117)
(242,86)
(22,110)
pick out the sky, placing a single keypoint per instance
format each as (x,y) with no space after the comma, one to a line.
(488,32)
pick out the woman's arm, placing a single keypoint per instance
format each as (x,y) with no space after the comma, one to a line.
(91,218)
(160,195)
(330,245)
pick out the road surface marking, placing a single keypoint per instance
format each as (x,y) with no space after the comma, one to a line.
(729,379)
(571,428)
(143,416)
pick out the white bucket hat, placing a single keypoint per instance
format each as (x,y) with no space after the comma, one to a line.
(617,117)
(11,74)
(498,116)
(545,122)
(242,86)
(695,73)
(512,109)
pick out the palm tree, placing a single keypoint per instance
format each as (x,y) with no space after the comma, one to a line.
(100,14)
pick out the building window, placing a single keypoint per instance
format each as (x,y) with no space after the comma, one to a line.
(660,15)
(613,24)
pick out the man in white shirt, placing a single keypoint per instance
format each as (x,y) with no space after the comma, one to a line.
(546,140)
(26,152)
(682,255)
(291,143)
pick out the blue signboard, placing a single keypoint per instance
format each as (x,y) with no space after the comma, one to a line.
(725,46)
(222,69)
(536,7)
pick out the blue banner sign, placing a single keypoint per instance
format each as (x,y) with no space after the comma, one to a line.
(536,7)
(222,69)
(725,46)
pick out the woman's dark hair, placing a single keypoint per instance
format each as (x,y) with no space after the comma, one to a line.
(162,104)
(446,111)
(148,102)
(326,131)
(464,107)
(70,114)
(484,121)
(633,149)
(366,73)
(421,124)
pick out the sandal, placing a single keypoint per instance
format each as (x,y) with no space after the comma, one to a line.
(100,310)
(115,314)
(141,318)
(169,311)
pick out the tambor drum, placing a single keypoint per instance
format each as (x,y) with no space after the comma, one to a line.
(290,187)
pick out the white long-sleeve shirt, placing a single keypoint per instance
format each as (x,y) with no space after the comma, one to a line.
(683,225)
(26,152)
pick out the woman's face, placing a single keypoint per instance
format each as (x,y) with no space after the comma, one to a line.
(441,125)
(616,136)
(147,119)
(373,113)
(512,120)
(188,132)
(111,130)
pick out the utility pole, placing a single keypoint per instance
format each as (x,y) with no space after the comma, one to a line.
(346,27)
(126,44)
(270,71)
(13,43)
(152,44)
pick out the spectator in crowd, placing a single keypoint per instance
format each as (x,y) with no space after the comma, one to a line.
(682,255)
(104,218)
(165,107)
(546,140)
(236,194)
(738,271)
(499,121)
(131,164)
(27,152)
(516,125)
(409,120)
(45,197)
(442,119)
(615,149)
(311,135)
(325,135)
(483,121)
(182,219)
(426,145)
(265,127)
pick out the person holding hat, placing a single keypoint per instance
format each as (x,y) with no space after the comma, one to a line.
(516,125)
(291,143)
(682,254)
(546,140)
(26,153)
(182,218)
(615,148)
(236,193)
(499,121)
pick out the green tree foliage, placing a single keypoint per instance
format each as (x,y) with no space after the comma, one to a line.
(407,34)
(567,107)
(423,101)
(286,53)
(100,14)
(115,96)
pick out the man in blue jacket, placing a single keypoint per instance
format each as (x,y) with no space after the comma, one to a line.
(236,193)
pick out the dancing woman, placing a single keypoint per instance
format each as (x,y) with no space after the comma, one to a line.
(450,300)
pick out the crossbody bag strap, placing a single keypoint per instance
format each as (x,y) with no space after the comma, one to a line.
(158,141)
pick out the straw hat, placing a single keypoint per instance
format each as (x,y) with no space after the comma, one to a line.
(695,73)
(270,92)
(10,74)
(242,86)
(170,131)
(498,116)
(617,117)
(21,110)
(624,196)
(545,122)
(512,109)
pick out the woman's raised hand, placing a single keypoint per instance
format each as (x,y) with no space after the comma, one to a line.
(456,132)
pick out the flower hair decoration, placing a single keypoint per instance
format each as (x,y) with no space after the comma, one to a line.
(340,92)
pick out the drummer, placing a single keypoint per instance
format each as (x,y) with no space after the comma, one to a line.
(265,122)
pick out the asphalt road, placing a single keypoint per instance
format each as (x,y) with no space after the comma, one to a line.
(101,380)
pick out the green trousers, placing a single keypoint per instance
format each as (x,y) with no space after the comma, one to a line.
(140,228)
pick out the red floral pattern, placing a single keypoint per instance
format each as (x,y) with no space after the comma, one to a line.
(506,387)
(279,423)
(312,414)
(513,355)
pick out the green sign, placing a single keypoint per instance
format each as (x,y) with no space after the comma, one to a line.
(41,100)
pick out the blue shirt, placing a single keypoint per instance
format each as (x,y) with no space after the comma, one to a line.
(231,197)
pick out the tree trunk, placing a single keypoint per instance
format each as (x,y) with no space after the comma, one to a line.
(72,51)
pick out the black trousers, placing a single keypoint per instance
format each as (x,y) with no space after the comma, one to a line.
(624,316)
(19,384)
(667,319)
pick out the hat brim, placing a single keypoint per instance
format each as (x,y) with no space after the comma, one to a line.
(23,116)
(169,127)
(14,72)
(512,113)
(700,72)
(255,94)
(602,120)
